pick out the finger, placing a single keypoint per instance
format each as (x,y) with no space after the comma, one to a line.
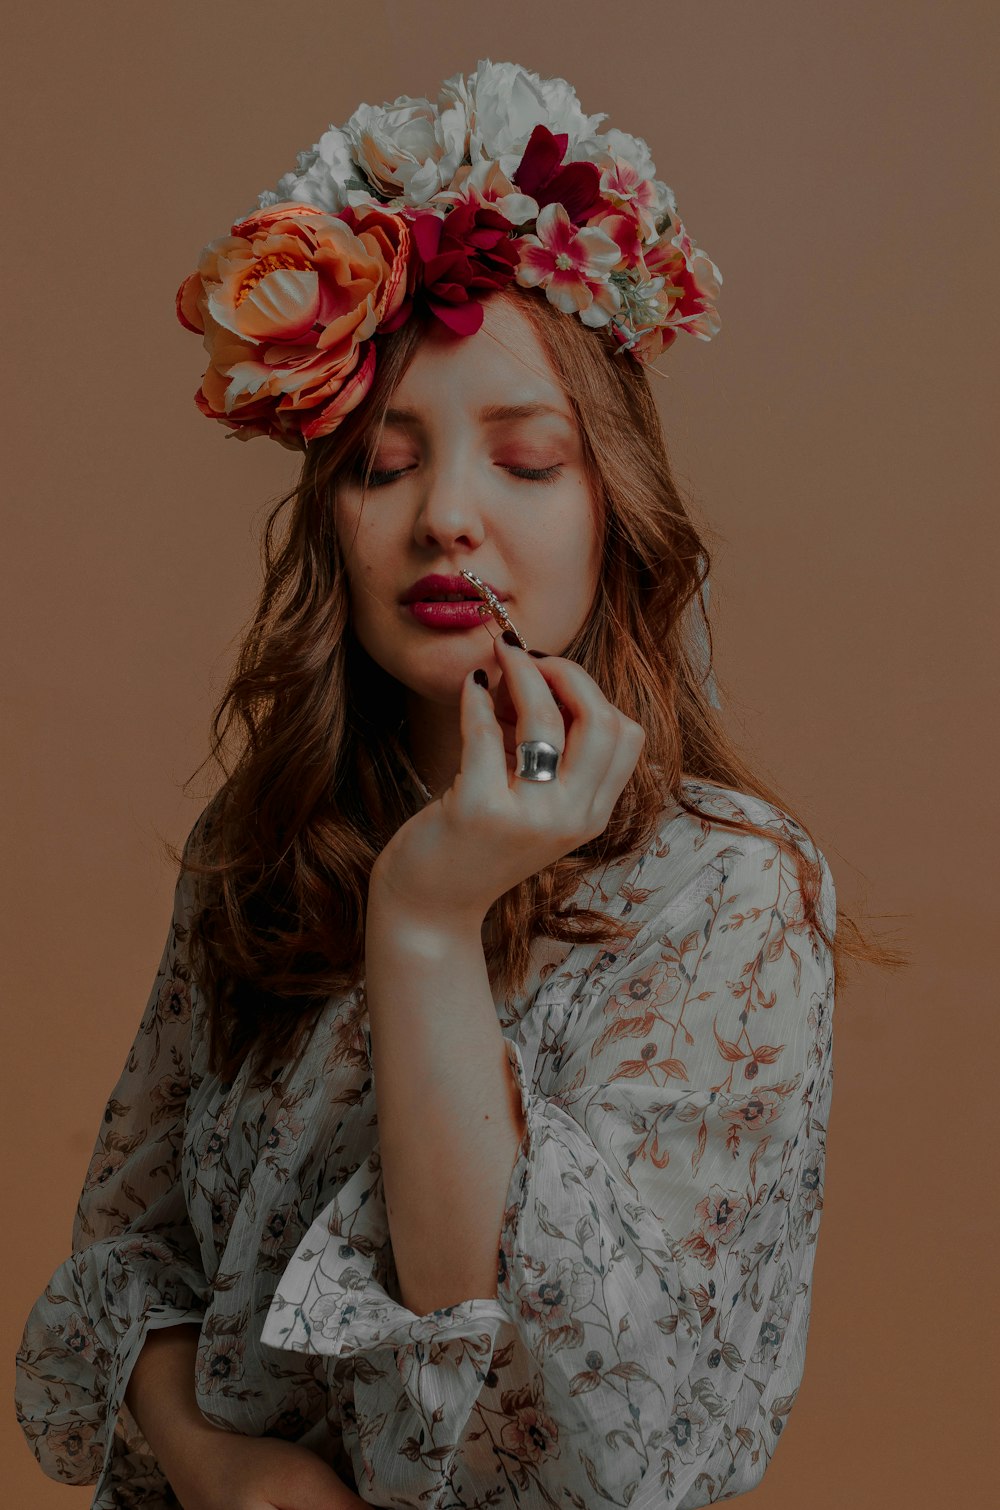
(591,725)
(503,702)
(506,714)
(483,762)
(504,705)
(537,716)
(627,750)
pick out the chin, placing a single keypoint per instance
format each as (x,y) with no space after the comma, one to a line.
(438,684)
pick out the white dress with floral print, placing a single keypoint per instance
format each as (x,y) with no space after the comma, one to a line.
(654,1271)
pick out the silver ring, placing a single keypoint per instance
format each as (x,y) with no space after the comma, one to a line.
(538,761)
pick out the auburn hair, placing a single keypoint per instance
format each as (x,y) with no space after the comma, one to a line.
(314,788)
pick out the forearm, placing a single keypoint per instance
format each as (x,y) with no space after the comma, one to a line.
(448,1108)
(202,1460)
(161,1396)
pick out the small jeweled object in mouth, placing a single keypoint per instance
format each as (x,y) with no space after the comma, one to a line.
(496,607)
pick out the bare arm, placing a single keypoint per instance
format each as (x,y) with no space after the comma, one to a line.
(161,1396)
(440,1064)
(203,1461)
(439,1058)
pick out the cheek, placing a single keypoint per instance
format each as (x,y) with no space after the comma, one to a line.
(564,580)
(356,559)
(564,511)
(577,532)
(361,542)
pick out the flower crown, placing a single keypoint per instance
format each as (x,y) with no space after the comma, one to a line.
(504,180)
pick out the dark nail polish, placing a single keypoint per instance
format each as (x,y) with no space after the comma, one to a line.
(480,678)
(538,654)
(510,638)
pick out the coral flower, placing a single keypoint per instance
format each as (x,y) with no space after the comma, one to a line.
(286,305)
(571,265)
(687,298)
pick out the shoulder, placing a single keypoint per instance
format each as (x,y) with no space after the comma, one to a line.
(202,830)
(720,806)
(691,847)
(197,848)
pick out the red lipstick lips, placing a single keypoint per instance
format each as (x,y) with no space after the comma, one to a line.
(435,587)
(428,602)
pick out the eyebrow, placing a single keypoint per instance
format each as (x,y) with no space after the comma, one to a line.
(490,414)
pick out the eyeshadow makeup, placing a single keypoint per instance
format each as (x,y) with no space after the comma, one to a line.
(495,606)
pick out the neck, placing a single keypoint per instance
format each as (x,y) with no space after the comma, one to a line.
(434,742)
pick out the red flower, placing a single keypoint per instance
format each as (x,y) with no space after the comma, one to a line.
(460,257)
(577,186)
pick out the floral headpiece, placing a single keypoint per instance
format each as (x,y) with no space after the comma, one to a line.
(504,180)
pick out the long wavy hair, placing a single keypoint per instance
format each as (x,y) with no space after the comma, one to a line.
(316,785)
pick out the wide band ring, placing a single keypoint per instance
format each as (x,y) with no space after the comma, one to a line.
(537,760)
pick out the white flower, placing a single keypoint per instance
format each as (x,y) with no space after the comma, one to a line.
(321,174)
(603,150)
(402,149)
(505,103)
(564,109)
(665,195)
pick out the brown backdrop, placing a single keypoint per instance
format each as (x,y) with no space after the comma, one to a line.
(833,161)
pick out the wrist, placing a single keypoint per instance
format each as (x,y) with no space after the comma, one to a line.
(427,935)
(430,925)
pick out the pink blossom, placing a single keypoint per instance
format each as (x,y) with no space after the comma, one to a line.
(571,264)
(632,195)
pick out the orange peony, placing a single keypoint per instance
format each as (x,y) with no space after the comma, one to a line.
(287,304)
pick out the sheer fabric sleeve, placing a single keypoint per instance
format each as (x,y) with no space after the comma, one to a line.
(656,1217)
(135,1263)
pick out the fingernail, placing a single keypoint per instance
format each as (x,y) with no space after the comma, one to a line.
(480,678)
(538,654)
(509,637)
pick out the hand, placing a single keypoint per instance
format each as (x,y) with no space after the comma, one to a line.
(491,829)
(266,1473)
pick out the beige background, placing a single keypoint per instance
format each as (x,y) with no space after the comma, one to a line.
(833,160)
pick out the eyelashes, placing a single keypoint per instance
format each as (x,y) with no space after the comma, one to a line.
(525,474)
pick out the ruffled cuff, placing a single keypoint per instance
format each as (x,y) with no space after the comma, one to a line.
(76,1357)
(567,1219)
(332,1297)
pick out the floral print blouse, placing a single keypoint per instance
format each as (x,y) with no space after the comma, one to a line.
(654,1276)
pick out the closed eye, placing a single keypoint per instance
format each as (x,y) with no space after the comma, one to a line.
(536,474)
(526,474)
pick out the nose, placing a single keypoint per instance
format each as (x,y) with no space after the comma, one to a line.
(447,511)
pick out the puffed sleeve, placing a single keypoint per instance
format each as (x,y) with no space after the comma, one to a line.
(134,1265)
(653,1234)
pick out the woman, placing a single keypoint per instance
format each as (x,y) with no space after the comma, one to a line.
(470,1150)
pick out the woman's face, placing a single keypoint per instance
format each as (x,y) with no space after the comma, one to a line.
(452,489)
